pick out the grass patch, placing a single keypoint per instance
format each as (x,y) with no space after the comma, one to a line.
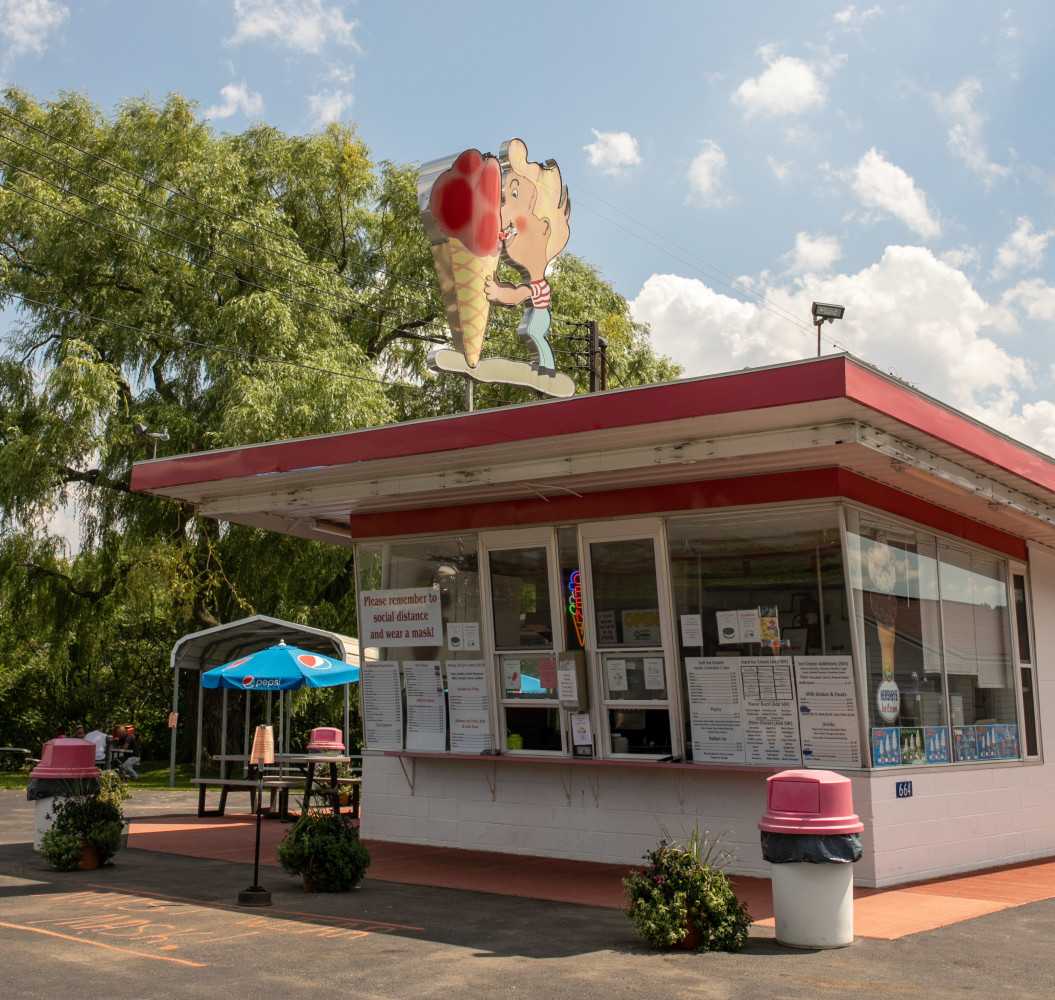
(153,775)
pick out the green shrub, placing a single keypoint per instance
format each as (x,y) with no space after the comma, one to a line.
(682,887)
(99,822)
(326,850)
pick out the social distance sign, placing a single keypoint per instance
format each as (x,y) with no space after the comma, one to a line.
(409,617)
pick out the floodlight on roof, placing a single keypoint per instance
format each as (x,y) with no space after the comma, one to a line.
(825,312)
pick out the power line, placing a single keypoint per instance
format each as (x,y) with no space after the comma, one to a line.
(247,355)
(303,261)
(190,198)
(237,261)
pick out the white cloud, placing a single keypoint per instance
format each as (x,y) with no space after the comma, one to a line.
(1035,297)
(880,184)
(781,171)
(26,24)
(707,176)
(788,86)
(329,106)
(236,97)
(304,25)
(851,19)
(613,153)
(965,131)
(1022,250)
(910,313)
(961,257)
(813,254)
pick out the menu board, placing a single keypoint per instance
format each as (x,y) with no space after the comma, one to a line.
(828,722)
(771,731)
(426,715)
(715,715)
(467,699)
(742,710)
(382,706)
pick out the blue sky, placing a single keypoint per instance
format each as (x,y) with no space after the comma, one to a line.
(727,164)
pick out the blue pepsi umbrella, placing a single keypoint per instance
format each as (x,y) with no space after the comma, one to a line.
(281,668)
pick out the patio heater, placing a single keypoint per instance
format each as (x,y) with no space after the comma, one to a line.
(263,752)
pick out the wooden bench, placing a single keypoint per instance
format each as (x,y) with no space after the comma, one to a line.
(227,785)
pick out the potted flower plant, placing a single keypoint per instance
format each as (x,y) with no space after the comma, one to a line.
(682,897)
(325,850)
(86,833)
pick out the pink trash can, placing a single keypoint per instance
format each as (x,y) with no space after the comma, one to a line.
(811,836)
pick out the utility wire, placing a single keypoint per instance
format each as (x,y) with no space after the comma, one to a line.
(183,260)
(737,287)
(247,355)
(210,251)
(180,194)
(194,220)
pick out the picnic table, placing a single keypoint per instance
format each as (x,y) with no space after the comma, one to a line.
(290,772)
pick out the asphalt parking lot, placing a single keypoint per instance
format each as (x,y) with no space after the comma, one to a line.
(159,925)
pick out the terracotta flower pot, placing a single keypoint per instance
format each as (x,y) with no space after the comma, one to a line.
(89,857)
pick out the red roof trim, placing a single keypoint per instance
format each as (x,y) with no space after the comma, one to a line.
(878,393)
(765,387)
(812,484)
(760,388)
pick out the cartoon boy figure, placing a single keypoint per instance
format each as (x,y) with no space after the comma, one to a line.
(535,210)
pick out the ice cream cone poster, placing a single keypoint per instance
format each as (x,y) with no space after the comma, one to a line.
(477,209)
(882,569)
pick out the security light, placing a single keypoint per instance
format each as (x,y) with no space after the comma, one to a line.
(825,312)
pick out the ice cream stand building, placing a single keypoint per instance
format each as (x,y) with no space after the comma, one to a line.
(601,617)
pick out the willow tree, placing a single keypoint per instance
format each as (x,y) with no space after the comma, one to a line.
(167,289)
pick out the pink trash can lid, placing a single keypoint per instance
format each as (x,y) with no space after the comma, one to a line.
(326,738)
(67,758)
(811,802)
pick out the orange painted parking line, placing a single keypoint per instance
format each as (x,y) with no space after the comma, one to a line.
(101,944)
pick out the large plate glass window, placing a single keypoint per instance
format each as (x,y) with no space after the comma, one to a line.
(755,584)
(526,622)
(628,613)
(934,626)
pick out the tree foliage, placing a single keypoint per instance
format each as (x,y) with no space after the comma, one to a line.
(220,290)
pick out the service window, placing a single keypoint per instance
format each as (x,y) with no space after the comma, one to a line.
(526,624)
(628,613)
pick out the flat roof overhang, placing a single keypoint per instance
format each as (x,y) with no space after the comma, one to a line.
(832,412)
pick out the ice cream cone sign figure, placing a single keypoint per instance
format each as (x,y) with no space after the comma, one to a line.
(477,208)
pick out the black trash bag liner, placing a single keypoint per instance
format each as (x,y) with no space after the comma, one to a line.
(42,788)
(816,849)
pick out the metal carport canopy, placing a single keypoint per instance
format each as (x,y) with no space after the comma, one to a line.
(212,647)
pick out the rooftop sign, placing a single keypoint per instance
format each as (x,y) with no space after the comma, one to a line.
(477,209)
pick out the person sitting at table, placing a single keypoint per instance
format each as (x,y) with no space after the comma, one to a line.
(129,747)
(98,737)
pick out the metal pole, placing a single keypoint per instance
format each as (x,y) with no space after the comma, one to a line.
(468,394)
(595,350)
(604,363)
(819,322)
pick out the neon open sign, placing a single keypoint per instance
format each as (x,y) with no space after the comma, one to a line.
(575,604)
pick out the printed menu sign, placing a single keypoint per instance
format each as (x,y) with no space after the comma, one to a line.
(742,710)
(382,706)
(714,704)
(828,722)
(426,715)
(409,617)
(470,720)
(771,732)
